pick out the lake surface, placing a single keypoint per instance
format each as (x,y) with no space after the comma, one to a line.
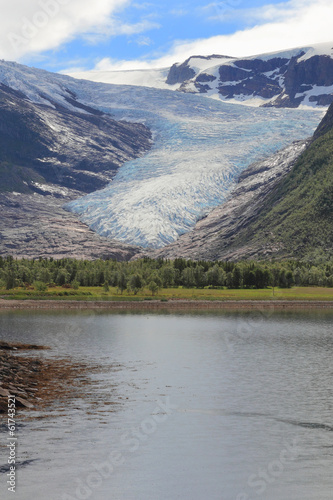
(194,406)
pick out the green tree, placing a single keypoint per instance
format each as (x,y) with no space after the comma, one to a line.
(237,277)
(40,286)
(24,274)
(260,278)
(289,279)
(188,278)
(283,283)
(275,274)
(249,279)
(9,278)
(229,280)
(153,287)
(199,276)
(114,278)
(62,277)
(122,282)
(216,276)
(135,283)
(168,275)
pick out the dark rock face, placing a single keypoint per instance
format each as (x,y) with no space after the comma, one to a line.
(262,66)
(258,85)
(282,81)
(316,70)
(81,151)
(302,76)
(179,73)
(203,77)
(231,73)
(35,225)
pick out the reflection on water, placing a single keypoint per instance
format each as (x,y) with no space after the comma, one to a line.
(220,406)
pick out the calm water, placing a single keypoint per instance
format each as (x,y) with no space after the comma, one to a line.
(217,406)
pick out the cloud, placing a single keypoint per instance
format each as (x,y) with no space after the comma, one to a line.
(142,6)
(179,12)
(31,27)
(115,28)
(144,40)
(277,27)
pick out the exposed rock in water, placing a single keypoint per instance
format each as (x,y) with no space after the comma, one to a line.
(38,382)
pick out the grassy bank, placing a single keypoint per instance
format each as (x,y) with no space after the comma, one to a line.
(99,294)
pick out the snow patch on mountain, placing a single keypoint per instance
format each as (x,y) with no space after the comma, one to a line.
(204,63)
(155,78)
(320,49)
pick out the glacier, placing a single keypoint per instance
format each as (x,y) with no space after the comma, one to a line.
(200,147)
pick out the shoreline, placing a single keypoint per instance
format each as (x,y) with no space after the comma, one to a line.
(32,382)
(160,305)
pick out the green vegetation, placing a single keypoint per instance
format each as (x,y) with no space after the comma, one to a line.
(221,294)
(186,279)
(297,218)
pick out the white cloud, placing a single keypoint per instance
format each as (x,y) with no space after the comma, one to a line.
(292,24)
(114,28)
(144,40)
(179,12)
(31,27)
(142,6)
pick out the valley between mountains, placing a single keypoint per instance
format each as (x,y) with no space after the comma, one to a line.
(98,170)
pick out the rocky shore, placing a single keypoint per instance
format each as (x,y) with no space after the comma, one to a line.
(18,376)
(158,304)
(37,381)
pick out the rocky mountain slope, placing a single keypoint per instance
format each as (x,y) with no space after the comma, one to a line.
(80,149)
(281,207)
(36,225)
(298,77)
(51,154)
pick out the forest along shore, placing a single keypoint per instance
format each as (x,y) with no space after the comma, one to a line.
(179,304)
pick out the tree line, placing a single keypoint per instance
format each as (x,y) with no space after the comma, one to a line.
(160,273)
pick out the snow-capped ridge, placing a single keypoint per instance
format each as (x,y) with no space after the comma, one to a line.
(255,84)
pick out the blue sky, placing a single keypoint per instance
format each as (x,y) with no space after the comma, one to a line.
(124,34)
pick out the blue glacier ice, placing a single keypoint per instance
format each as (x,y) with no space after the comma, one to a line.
(200,146)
